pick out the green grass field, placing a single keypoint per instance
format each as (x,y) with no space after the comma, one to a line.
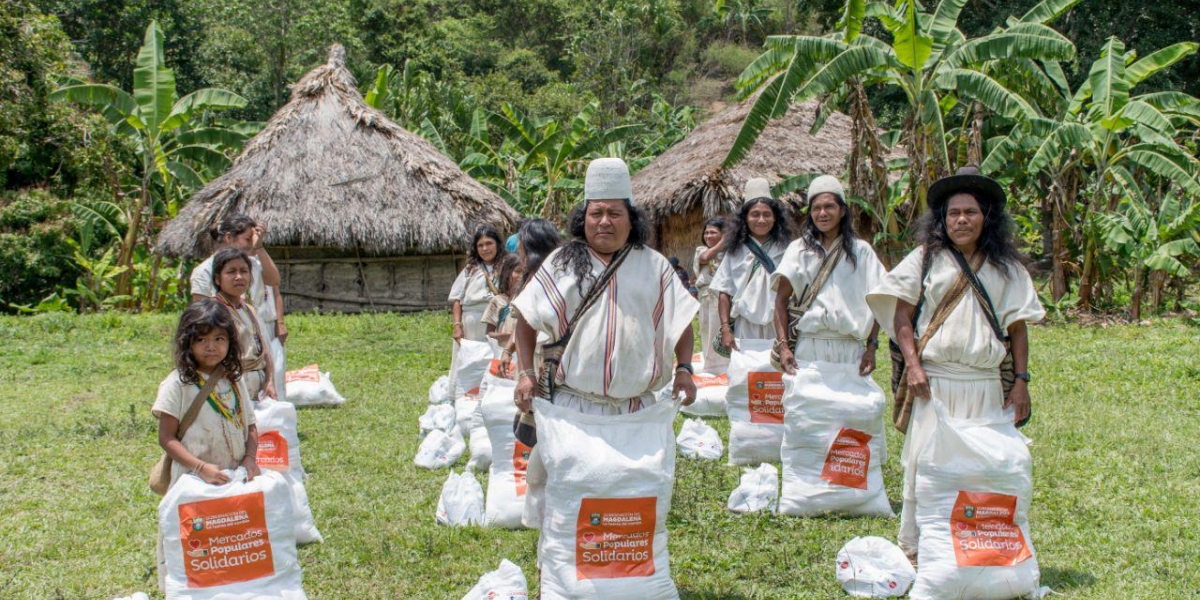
(1116,512)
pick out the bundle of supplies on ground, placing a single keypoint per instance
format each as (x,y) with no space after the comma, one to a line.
(974,486)
(833,443)
(440,449)
(505,583)
(461,501)
(608,492)
(279,450)
(309,387)
(230,541)
(441,392)
(754,404)
(872,567)
(710,395)
(471,362)
(698,439)
(506,487)
(758,490)
(437,416)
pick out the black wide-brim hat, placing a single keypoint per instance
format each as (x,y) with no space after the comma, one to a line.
(967,179)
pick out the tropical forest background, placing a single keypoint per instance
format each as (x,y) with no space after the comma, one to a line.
(113,112)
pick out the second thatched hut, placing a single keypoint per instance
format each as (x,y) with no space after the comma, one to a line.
(360,213)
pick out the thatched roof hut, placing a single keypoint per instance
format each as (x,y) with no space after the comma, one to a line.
(686,185)
(360,213)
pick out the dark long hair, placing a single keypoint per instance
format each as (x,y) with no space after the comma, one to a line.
(538,238)
(225,256)
(575,255)
(504,270)
(233,224)
(482,232)
(718,222)
(997,240)
(198,319)
(737,226)
(810,233)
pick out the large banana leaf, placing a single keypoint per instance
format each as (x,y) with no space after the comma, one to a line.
(1011,45)
(1158,60)
(1144,114)
(153,82)
(1059,144)
(931,118)
(380,92)
(1109,87)
(989,92)
(910,43)
(787,52)
(1155,161)
(945,20)
(201,155)
(1166,257)
(852,19)
(121,106)
(211,99)
(185,174)
(212,136)
(1048,10)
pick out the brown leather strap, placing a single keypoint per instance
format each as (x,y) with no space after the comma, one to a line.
(194,410)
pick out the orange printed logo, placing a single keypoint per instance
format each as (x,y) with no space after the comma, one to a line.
(520,465)
(272,451)
(225,540)
(614,538)
(847,460)
(703,381)
(494,367)
(309,373)
(983,531)
(766,397)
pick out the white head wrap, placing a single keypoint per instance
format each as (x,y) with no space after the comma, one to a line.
(757,188)
(826,184)
(607,179)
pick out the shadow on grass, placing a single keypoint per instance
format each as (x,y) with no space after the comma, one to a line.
(1061,580)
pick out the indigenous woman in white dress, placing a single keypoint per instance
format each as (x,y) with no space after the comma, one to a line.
(837,323)
(475,286)
(536,239)
(755,242)
(960,363)
(704,264)
(231,278)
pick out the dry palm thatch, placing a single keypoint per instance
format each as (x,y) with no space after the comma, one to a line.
(330,171)
(690,175)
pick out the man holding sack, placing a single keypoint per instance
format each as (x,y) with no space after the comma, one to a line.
(601,473)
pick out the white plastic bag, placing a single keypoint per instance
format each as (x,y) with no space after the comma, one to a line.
(698,439)
(472,360)
(440,392)
(461,502)
(466,413)
(506,480)
(608,492)
(311,387)
(754,404)
(230,541)
(872,567)
(279,361)
(758,490)
(437,416)
(834,443)
(302,516)
(481,450)
(505,583)
(710,395)
(440,449)
(974,485)
(278,437)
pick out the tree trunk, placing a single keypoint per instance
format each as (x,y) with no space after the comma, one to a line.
(1138,290)
(125,258)
(1086,282)
(1158,288)
(975,147)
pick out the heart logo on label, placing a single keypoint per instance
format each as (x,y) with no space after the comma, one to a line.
(194,544)
(589,537)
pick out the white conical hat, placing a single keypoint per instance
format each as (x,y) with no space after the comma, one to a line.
(826,184)
(607,178)
(757,188)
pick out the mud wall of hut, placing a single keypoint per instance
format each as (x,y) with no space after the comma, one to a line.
(334,280)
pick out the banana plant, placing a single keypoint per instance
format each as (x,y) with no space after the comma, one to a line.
(1152,238)
(178,146)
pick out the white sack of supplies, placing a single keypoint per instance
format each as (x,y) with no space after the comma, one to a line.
(480,442)
(758,490)
(710,395)
(506,487)
(698,439)
(471,363)
(754,404)
(311,387)
(437,416)
(608,490)
(440,449)
(440,392)
(505,583)
(230,542)
(279,450)
(872,567)
(279,361)
(834,444)
(461,502)
(974,485)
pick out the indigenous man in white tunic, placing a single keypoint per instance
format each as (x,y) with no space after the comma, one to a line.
(836,323)
(756,239)
(625,346)
(960,362)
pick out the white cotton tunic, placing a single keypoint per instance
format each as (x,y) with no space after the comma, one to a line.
(471,290)
(752,306)
(962,359)
(710,321)
(623,346)
(211,438)
(839,320)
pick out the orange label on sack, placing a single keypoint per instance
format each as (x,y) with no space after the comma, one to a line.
(983,531)
(520,460)
(702,380)
(614,538)
(272,451)
(225,540)
(766,397)
(847,460)
(309,373)
(494,367)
